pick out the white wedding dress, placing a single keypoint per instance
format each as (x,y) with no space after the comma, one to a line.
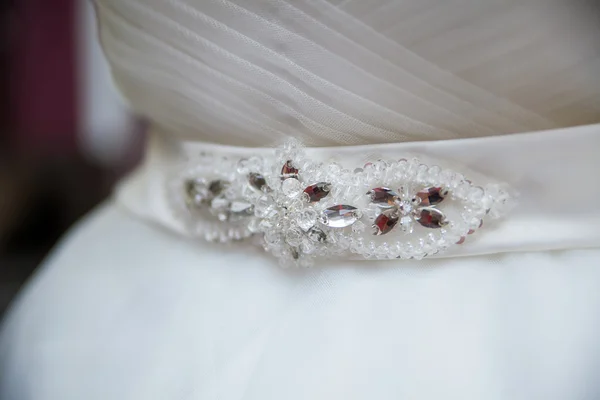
(129,308)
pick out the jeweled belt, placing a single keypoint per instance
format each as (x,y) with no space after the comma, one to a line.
(533,191)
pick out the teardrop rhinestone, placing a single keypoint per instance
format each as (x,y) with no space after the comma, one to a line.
(258,182)
(317,191)
(383,197)
(385,222)
(339,216)
(432,196)
(288,170)
(430,217)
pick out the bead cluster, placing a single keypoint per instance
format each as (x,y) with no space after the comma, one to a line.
(303,211)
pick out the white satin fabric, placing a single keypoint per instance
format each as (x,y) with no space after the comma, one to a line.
(249,72)
(552,175)
(125,309)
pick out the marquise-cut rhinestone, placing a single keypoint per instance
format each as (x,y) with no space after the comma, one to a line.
(258,182)
(432,196)
(430,217)
(298,223)
(317,191)
(383,197)
(288,170)
(385,222)
(339,216)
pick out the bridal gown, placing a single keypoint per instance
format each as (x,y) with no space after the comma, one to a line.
(128,308)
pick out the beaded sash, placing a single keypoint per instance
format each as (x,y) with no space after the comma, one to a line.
(397,201)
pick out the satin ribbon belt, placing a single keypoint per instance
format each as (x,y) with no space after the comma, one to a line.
(521,192)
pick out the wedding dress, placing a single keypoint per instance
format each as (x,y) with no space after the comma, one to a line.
(132,306)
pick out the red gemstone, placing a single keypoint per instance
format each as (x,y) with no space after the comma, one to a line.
(317,191)
(288,170)
(431,218)
(385,222)
(461,240)
(383,197)
(432,196)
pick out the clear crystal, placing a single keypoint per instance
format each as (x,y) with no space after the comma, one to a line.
(293,237)
(306,218)
(241,209)
(264,207)
(242,166)
(405,207)
(434,173)
(372,211)
(406,224)
(358,227)
(254,225)
(307,246)
(475,194)
(272,238)
(219,203)
(291,187)
(339,216)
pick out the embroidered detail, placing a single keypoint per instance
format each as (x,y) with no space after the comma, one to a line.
(302,211)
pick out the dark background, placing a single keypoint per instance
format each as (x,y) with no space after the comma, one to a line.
(47,179)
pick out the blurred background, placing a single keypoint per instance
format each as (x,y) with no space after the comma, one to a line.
(65,135)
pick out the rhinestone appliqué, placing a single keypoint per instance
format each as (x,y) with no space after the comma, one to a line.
(302,210)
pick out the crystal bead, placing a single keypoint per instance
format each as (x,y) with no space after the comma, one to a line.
(219,203)
(385,222)
(405,207)
(317,191)
(240,209)
(293,237)
(197,192)
(358,227)
(406,224)
(258,182)
(431,218)
(242,166)
(316,235)
(383,197)
(422,173)
(306,218)
(307,246)
(272,238)
(288,170)
(291,187)
(339,216)
(434,173)
(432,196)
(475,194)
(372,211)
(263,207)
(254,225)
